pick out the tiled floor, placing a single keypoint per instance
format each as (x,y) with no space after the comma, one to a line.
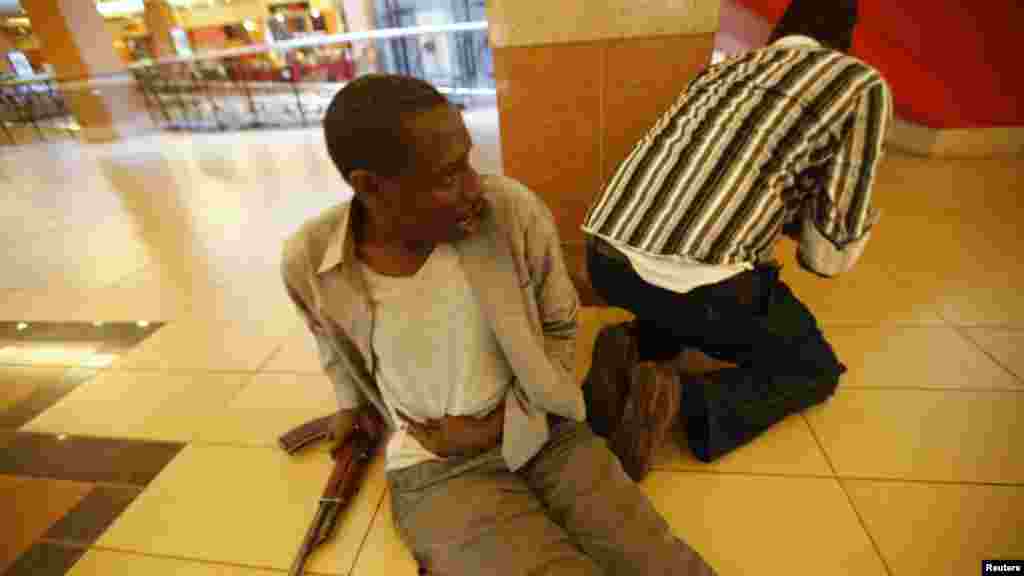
(169,463)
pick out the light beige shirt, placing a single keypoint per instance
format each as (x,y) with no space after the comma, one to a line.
(515,266)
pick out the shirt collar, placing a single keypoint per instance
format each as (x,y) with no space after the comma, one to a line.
(340,246)
(796,40)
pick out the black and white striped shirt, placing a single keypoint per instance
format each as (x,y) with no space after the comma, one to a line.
(720,173)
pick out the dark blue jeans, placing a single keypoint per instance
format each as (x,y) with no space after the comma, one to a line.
(753,320)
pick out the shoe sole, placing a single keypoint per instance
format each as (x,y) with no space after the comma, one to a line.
(613,358)
(646,420)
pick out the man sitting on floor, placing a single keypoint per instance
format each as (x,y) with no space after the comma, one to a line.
(785,139)
(440,298)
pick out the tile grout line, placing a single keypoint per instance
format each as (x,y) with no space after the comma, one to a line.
(849,499)
(185,559)
(960,330)
(101,483)
(112,369)
(836,477)
(153,370)
(740,473)
(934,388)
(273,447)
(369,529)
(974,483)
(250,377)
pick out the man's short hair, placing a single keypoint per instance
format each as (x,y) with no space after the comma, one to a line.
(830,22)
(365,123)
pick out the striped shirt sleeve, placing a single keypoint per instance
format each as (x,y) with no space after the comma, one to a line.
(837,223)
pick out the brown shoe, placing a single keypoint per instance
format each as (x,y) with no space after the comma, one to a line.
(615,354)
(649,413)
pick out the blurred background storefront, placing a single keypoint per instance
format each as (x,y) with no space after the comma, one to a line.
(223,64)
(204,27)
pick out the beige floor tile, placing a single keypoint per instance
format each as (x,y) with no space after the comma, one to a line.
(1006,346)
(922,434)
(889,356)
(106,563)
(945,530)
(247,506)
(588,325)
(142,405)
(248,300)
(924,198)
(384,551)
(613,315)
(269,406)
(977,305)
(298,353)
(786,448)
(195,345)
(33,505)
(765,525)
(872,293)
(65,304)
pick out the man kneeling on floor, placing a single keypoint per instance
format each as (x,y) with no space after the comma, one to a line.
(439,297)
(784,139)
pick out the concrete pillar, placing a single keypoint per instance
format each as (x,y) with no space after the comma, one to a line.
(100,94)
(161,18)
(579,83)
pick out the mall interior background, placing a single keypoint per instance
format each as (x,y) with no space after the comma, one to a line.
(149,357)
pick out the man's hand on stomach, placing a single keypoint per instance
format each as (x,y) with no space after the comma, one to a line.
(459,435)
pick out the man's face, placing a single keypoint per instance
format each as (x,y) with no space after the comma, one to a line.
(440,197)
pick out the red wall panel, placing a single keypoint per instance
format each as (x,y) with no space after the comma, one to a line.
(951,64)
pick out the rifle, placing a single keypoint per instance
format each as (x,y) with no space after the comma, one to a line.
(350,461)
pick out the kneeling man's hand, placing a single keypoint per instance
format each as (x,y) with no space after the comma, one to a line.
(459,435)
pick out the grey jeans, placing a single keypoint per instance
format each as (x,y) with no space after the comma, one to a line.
(570,510)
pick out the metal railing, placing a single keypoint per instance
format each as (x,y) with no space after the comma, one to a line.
(35,106)
(265,86)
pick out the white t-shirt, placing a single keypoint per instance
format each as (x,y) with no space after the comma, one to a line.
(436,353)
(676,273)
